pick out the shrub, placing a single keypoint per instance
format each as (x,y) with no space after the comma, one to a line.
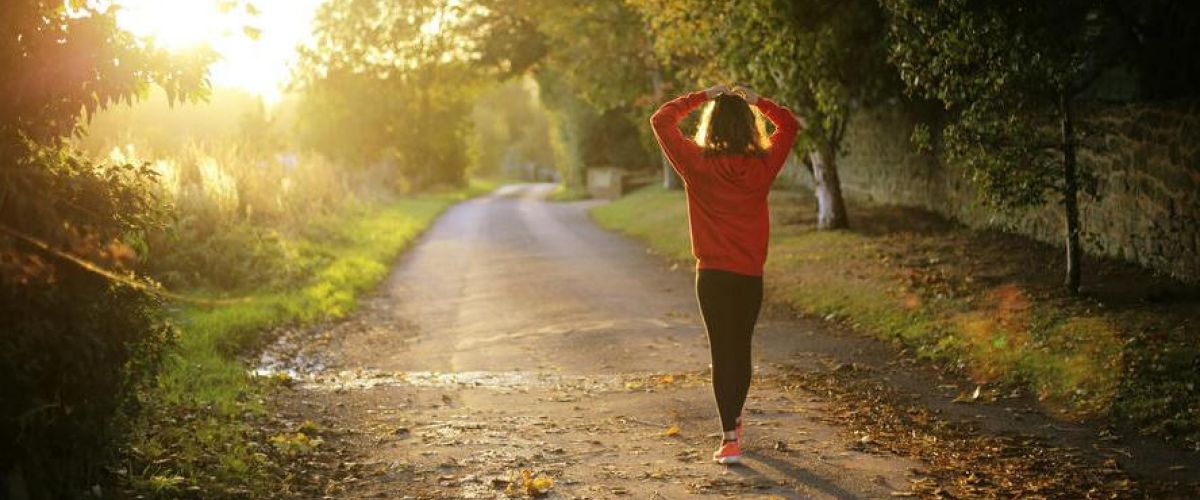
(80,338)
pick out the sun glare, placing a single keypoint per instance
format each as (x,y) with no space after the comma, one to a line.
(256,43)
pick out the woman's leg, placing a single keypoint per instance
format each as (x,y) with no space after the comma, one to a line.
(729,303)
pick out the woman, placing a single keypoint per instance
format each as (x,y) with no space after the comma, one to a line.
(727,171)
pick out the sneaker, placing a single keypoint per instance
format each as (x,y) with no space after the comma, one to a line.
(728,453)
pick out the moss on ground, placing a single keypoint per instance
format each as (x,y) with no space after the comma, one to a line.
(986,303)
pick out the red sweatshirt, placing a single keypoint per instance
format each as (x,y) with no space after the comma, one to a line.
(726,194)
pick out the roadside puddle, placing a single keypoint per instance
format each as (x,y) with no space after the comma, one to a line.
(508,381)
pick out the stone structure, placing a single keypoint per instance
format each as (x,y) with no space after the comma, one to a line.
(1147,166)
(606,183)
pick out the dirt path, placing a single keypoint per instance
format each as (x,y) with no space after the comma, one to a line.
(517,336)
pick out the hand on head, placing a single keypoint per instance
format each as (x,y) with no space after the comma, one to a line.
(738,90)
(716,90)
(745,93)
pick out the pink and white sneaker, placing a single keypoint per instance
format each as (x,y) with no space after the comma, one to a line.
(728,453)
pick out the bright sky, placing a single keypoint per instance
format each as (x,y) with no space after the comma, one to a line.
(259,66)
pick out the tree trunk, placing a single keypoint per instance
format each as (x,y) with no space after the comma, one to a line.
(831,209)
(671,179)
(1071,197)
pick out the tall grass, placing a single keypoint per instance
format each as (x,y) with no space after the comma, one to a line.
(291,239)
(235,213)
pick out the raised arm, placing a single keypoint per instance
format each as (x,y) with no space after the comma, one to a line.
(680,150)
(786,127)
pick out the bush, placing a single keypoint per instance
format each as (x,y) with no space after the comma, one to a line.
(73,357)
(77,346)
(233,212)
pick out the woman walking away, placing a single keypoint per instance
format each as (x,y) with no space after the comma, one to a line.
(727,171)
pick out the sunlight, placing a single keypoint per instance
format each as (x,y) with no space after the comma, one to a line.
(179,24)
(256,43)
(433,27)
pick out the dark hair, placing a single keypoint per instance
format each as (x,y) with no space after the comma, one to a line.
(729,126)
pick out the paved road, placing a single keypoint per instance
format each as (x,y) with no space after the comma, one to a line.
(517,335)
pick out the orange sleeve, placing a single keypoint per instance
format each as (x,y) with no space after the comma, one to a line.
(681,151)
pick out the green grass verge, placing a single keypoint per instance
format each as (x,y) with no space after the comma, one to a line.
(204,432)
(654,215)
(1081,358)
(569,193)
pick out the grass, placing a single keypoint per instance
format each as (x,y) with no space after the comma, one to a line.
(206,428)
(985,303)
(569,193)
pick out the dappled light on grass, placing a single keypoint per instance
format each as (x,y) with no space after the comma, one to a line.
(917,289)
(180,180)
(959,459)
(347,253)
(1073,363)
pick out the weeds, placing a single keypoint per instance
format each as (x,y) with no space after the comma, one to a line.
(285,240)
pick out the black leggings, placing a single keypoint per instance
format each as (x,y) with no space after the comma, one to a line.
(729,303)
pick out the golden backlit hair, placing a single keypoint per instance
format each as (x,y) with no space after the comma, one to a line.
(730,126)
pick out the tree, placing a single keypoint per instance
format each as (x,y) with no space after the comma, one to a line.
(390,82)
(1010,74)
(823,58)
(596,70)
(511,128)
(76,345)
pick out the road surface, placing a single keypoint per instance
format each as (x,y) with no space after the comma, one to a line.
(516,335)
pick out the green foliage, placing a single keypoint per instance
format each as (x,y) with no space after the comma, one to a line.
(77,346)
(158,128)
(205,426)
(653,214)
(601,51)
(230,211)
(820,57)
(511,129)
(388,82)
(75,61)
(595,71)
(1136,365)
(74,354)
(564,192)
(1004,71)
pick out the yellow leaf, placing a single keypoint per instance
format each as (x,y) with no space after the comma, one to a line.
(671,431)
(541,484)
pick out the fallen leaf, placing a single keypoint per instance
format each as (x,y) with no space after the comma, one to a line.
(526,483)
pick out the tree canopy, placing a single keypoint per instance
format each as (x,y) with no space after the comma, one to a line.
(821,58)
(75,346)
(390,82)
(1007,73)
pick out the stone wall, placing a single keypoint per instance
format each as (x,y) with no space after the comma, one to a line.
(1147,164)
